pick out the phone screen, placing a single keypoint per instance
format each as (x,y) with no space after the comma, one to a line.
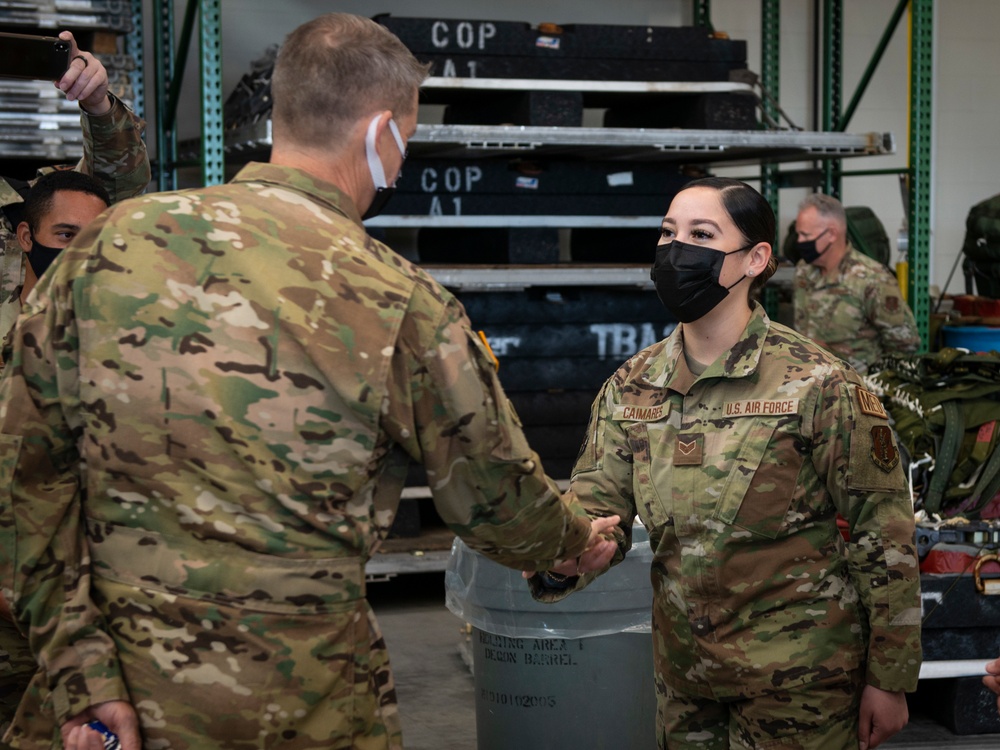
(36,57)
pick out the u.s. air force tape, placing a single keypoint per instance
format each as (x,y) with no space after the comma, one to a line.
(762,407)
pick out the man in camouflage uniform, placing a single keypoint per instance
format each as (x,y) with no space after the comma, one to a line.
(845,301)
(115,155)
(768,629)
(245,374)
(113,152)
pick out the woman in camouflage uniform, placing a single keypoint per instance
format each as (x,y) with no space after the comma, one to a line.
(737,442)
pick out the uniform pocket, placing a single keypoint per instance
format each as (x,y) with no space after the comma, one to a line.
(652,510)
(761,479)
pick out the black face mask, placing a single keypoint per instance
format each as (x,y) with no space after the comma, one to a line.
(686,278)
(41,256)
(382,196)
(807,248)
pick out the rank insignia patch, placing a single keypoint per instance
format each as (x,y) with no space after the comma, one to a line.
(688,451)
(884,453)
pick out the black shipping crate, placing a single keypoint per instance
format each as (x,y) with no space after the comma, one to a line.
(500,245)
(539,108)
(958,621)
(573,339)
(544,187)
(550,41)
(962,704)
(580,69)
(507,49)
(713,111)
(596,306)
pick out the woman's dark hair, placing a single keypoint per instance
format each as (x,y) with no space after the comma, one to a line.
(751,214)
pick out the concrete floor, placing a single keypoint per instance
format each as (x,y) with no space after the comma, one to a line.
(436,690)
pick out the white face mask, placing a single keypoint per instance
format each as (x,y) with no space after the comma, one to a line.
(383,190)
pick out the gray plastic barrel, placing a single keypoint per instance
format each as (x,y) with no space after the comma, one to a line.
(576,673)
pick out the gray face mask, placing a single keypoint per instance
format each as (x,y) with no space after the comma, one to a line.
(383,190)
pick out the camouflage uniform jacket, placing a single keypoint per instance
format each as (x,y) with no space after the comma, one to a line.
(114,153)
(858,315)
(738,475)
(244,374)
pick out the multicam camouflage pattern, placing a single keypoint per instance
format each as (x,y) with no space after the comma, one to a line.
(114,153)
(245,373)
(859,315)
(738,475)
(820,716)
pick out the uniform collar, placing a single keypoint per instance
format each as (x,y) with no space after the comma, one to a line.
(300,181)
(741,361)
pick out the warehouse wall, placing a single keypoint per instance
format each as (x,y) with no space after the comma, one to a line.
(966,160)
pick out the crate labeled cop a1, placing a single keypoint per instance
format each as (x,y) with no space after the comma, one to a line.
(430,187)
(551,41)
(465,48)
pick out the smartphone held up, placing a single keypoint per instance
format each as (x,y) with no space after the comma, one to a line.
(33,57)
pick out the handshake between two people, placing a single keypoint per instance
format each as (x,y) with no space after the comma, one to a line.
(595,557)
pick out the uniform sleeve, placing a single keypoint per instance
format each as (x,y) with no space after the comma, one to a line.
(799,298)
(446,408)
(45,565)
(891,317)
(855,449)
(602,483)
(114,152)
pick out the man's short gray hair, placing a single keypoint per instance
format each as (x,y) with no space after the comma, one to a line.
(826,206)
(334,70)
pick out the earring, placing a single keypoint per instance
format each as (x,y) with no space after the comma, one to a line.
(749,273)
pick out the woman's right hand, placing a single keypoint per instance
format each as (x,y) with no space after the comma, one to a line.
(597,555)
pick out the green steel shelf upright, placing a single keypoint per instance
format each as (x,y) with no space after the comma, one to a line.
(834,119)
(921,80)
(833,67)
(170,76)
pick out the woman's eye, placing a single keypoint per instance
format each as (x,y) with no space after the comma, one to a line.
(701,234)
(666,234)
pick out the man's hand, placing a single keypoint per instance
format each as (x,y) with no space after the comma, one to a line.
(596,556)
(992,678)
(86,80)
(882,715)
(118,716)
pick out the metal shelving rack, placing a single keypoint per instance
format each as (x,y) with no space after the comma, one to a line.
(835,118)
(765,148)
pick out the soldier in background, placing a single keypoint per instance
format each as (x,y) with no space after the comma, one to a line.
(113,153)
(115,160)
(58,206)
(845,301)
(737,441)
(245,374)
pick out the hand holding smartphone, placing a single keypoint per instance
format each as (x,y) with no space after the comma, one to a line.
(33,57)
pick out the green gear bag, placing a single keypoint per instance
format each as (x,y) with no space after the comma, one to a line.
(982,245)
(945,408)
